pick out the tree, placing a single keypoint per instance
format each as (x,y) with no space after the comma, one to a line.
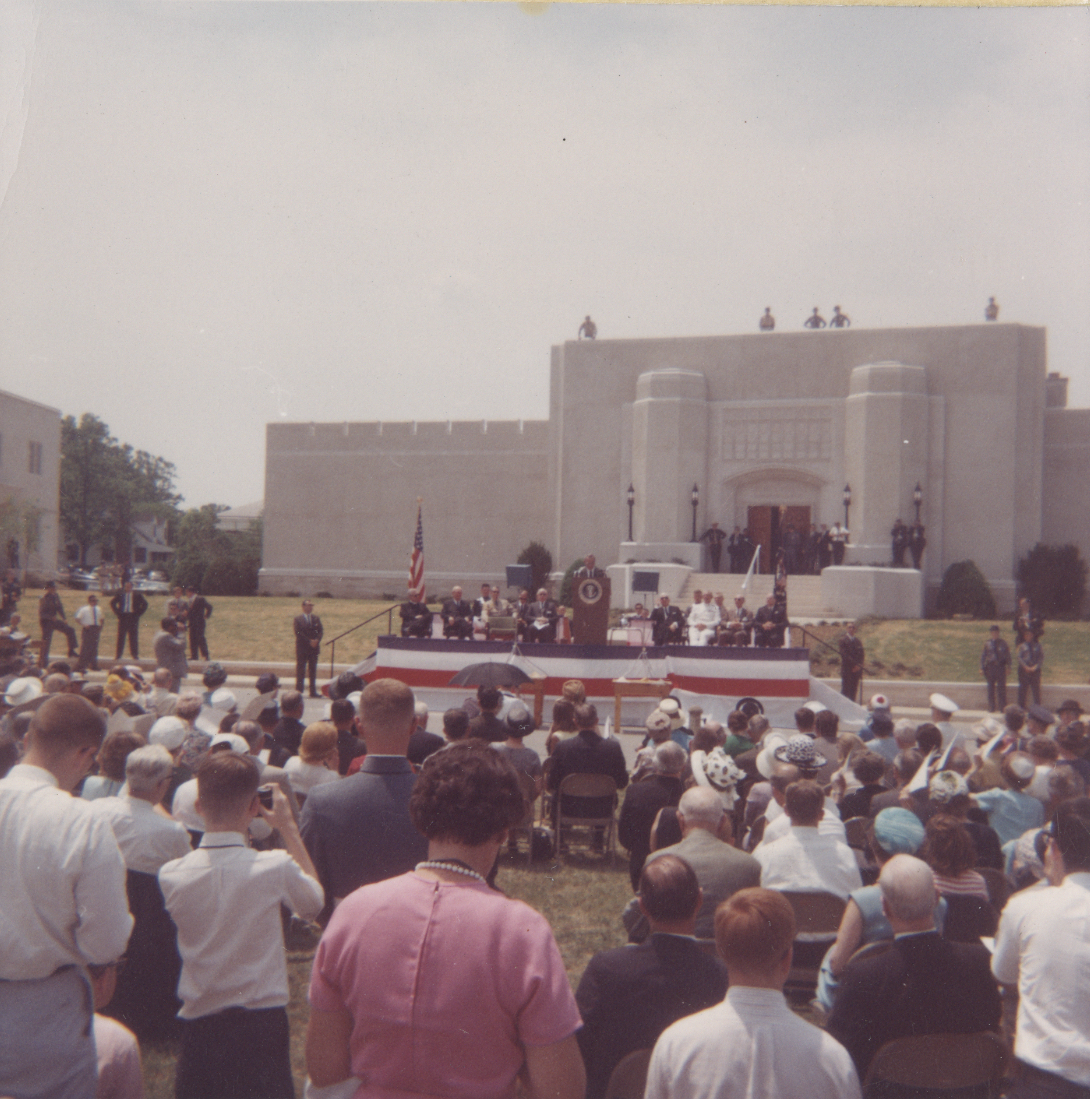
(540,561)
(106,486)
(20,531)
(1054,580)
(216,561)
(965,591)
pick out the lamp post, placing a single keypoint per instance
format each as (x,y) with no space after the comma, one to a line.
(917,499)
(847,504)
(695,497)
(630,496)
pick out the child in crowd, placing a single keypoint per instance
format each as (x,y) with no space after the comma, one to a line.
(225,899)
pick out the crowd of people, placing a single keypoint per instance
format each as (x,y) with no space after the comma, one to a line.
(149,871)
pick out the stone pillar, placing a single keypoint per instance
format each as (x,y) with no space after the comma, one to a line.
(669,453)
(885,453)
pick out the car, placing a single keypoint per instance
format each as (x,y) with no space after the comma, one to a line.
(151,587)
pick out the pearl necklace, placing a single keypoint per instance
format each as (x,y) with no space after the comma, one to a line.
(452,866)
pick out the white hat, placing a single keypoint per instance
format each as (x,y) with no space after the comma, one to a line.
(813,707)
(672,710)
(169,732)
(766,756)
(879,702)
(717,770)
(23,690)
(222,699)
(943,704)
(233,740)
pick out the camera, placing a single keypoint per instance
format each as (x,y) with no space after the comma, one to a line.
(265,793)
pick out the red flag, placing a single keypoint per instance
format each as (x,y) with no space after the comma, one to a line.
(416,562)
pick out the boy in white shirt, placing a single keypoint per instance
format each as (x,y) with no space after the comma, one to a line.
(225,900)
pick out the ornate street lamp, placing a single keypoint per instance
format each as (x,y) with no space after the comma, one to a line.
(695,497)
(917,499)
(847,504)
(630,496)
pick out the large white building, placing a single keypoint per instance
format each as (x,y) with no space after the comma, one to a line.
(768,427)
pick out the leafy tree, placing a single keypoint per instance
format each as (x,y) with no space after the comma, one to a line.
(20,531)
(106,486)
(567,583)
(1054,580)
(965,591)
(540,561)
(216,561)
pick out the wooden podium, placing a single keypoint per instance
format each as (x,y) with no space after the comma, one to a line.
(590,610)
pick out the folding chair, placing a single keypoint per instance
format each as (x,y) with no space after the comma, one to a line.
(501,629)
(588,786)
(526,825)
(942,1062)
(856,829)
(817,920)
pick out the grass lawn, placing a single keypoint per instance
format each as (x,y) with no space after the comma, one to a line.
(259,628)
(581,899)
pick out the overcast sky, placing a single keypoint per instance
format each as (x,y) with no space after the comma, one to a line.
(214,216)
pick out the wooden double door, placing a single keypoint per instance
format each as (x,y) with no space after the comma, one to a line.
(768,523)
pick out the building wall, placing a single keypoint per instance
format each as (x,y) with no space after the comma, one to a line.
(1066,513)
(341,503)
(33,480)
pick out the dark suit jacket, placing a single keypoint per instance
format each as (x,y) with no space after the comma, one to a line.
(587,753)
(288,734)
(921,985)
(139,605)
(200,610)
(629,996)
(358,830)
(456,608)
(422,744)
(642,802)
(662,617)
(305,634)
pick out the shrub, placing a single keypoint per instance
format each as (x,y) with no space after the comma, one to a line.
(965,591)
(1053,578)
(540,561)
(231,576)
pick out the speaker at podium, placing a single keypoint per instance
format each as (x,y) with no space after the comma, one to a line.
(590,610)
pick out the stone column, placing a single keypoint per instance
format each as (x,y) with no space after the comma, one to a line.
(885,452)
(669,453)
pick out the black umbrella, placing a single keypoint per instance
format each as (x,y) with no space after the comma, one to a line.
(490,674)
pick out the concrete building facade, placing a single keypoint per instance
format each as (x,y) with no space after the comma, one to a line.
(768,428)
(30,472)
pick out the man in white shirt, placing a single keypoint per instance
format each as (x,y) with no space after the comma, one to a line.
(804,860)
(90,618)
(225,901)
(145,999)
(779,823)
(1043,947)
(752,1045)
(703,621)
(62,906)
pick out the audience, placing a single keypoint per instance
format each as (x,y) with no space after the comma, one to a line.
(642,803)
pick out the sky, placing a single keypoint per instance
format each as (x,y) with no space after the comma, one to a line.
(216,216)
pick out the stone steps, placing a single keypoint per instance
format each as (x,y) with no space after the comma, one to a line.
(804,602)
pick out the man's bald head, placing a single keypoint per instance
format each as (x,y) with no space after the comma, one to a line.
(908,891)
(700,807)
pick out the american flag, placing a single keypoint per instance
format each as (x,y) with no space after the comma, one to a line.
(416,562)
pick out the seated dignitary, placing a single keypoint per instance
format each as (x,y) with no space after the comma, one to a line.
(804,860)
(62,902)
(433,983)
(770,624)
(358,830)
(1042,947)
(720,868)
(457,616)
(630,995)
(415,616)
(668,623)
(737,624)
(145,999)
(922,985)
(643,800)
(751,1045)
(587,754)
(703,621)
(541,621)
(521,612)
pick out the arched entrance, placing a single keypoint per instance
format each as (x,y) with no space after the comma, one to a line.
(774,527)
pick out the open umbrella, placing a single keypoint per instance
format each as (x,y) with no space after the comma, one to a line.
(490,674)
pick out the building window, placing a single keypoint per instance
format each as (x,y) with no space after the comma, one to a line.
(34,464)
(139,555)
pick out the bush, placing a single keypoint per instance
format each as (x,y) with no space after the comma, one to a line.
(965,591)
(1053,578)
(231,576)
(540,561)
(565,585)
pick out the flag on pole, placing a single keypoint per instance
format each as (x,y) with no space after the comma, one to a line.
(416,561)
(752,566)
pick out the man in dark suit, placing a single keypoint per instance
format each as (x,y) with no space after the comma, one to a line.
(457,616)
(200,611)
(922,984)
(668,623)
(589,570)
(541,621)
(128,605)
(357,829)
(851,663)
(308,640)
(51,618)
(588,754)
(644,799)
(629,996)
(415,616)
(769,624)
